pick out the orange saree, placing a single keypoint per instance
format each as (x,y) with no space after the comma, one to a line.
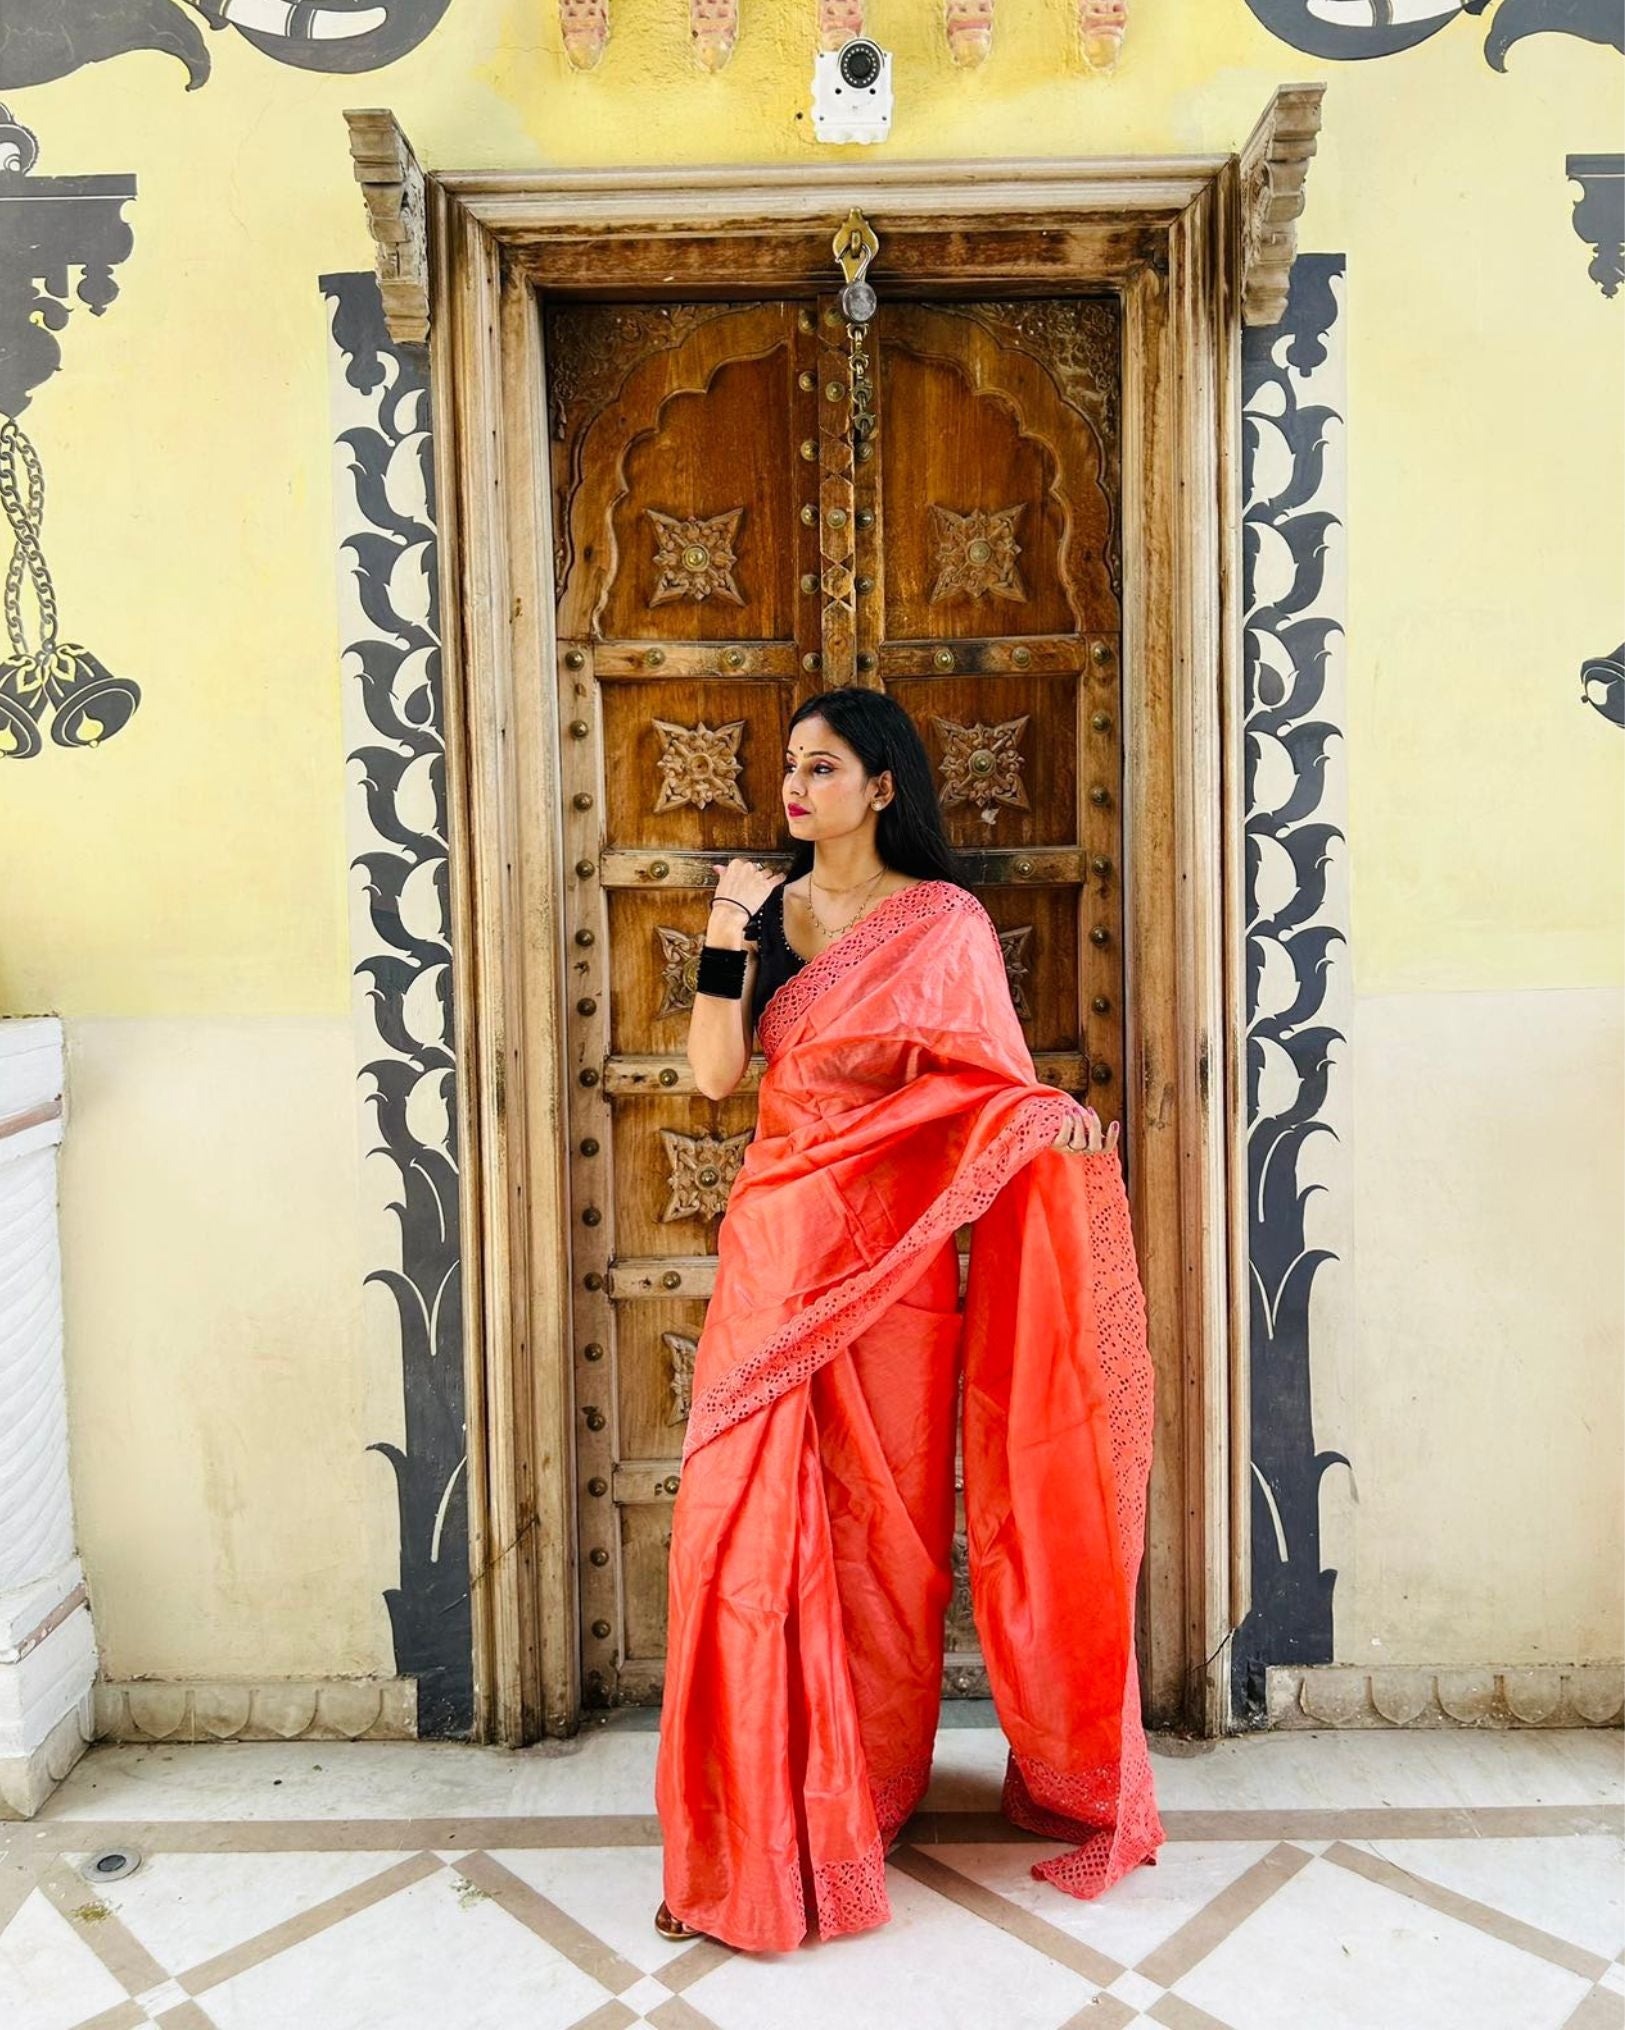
(810,1564)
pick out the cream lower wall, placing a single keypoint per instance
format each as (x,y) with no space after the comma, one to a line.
(1466,1345)
(1471,1365)
(224,1378)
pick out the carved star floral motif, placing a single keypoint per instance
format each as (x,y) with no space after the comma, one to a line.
(699,765)
(682,1350)
(700,1170)
(695,556)
(982,765)
(679,968)
(976,553)
(1013,944)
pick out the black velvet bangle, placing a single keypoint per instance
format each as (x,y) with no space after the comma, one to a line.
(722,972)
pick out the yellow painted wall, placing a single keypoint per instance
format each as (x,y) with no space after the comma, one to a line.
(179,895)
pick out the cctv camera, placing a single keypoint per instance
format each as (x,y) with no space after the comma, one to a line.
(852,92)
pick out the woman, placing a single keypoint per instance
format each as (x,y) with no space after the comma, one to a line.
(810,1564)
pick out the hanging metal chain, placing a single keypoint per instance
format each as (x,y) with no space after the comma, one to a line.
(856,245)
(863,393)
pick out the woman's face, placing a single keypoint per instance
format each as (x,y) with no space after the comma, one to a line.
(826,792)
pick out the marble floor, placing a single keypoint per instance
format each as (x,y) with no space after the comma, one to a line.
(1310,1881)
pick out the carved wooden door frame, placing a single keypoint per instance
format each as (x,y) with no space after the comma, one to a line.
(1194,247)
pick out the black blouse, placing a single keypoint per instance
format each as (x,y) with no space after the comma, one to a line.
(776,959)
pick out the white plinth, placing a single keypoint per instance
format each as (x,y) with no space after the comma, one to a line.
(47,1644)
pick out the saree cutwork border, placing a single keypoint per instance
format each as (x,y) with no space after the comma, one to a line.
(1109,1812)
(907,905)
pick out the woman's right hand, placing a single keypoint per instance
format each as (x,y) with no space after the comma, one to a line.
(740,881)
(1081,1135)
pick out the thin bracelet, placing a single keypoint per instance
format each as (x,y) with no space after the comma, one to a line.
(734,899)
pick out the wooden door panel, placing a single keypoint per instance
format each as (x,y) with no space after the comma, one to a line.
(647,424)
(994,496)
(1004,755)
(806,469)
(656,939)
(656,943)
(654,1359)
(645,1542)
(972,529)
(706,532)
(696,763)
(999,632)
(1038,928)
(674,1162)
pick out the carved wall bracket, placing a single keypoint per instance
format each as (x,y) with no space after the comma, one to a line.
(392,184)
(1101,25)
(584,25)
(713,28)
(1274,169)
(969,25)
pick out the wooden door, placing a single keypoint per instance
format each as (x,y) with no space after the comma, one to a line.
(754,502)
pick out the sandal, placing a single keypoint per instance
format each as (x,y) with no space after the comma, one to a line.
(673,1927)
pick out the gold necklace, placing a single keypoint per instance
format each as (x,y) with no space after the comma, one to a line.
(819,921)
(856,885)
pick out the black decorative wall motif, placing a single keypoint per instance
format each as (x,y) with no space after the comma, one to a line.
(51,227)
(387,514)
(1602,684)
(1290,1046)
(41,40)
(1385,27)
(1599,215)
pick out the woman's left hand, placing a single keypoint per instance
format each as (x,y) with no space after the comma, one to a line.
(1082,1136)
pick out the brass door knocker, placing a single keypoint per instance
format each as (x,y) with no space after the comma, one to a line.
(855,247)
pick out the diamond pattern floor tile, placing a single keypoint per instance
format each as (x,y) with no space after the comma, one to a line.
(428,1958)
(1332,1949)
(49,1978)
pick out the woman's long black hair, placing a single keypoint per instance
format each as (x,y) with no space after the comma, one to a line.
(909,834)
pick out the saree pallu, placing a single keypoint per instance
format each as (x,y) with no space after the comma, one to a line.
(811,1550)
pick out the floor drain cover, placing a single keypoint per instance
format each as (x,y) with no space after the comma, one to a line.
(110,1865)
